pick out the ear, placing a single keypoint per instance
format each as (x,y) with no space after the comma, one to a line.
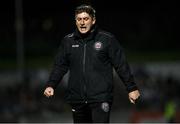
(94,21)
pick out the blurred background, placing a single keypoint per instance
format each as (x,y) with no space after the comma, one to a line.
(30,32)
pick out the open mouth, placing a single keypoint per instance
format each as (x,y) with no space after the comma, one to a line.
(83,28)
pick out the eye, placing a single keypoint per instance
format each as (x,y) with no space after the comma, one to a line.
(78,19)
(86,18)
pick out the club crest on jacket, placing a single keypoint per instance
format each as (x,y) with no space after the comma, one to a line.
(98,45)
(105,106)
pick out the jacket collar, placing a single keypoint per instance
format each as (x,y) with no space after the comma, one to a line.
(86,37)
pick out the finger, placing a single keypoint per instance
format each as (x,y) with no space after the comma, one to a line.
(46,94)
(50,93)
(132,101)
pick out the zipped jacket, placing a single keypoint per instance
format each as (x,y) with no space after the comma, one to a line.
(90,60)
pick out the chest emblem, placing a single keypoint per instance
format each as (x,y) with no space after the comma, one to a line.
(75,45)
(98,45)
(105,106)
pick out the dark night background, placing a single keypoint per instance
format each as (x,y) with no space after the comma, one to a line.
(146,29)
(140,26)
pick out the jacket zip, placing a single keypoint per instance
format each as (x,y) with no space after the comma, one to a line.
(84,58)
(84,66)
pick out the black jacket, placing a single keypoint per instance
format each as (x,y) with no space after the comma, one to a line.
(91,59)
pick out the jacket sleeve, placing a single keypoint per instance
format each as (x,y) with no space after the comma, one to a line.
(121,65)
(60,67)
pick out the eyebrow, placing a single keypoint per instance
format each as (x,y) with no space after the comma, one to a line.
(83,17)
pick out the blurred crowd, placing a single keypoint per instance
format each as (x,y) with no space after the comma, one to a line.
(25,102)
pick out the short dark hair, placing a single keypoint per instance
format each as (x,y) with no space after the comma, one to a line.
(86,8)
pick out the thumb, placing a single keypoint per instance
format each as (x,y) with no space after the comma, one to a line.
(132,100)
(50,92)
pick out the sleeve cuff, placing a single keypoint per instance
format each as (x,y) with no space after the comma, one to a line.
(132,88)
(51,84)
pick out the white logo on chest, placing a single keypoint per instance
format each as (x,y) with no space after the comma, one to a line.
(76,45)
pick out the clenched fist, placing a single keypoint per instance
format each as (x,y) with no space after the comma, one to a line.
(133,96)
(49,91)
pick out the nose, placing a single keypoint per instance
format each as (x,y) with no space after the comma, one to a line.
(82,22)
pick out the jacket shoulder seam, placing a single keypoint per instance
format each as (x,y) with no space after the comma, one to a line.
(69,35)
(106,33)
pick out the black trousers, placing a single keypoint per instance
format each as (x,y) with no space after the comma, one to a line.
(91,112)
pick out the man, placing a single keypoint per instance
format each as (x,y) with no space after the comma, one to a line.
(90,54)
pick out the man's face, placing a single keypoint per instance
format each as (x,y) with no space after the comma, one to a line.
(84,22)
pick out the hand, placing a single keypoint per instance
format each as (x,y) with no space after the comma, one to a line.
(49,91)
(133,96)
